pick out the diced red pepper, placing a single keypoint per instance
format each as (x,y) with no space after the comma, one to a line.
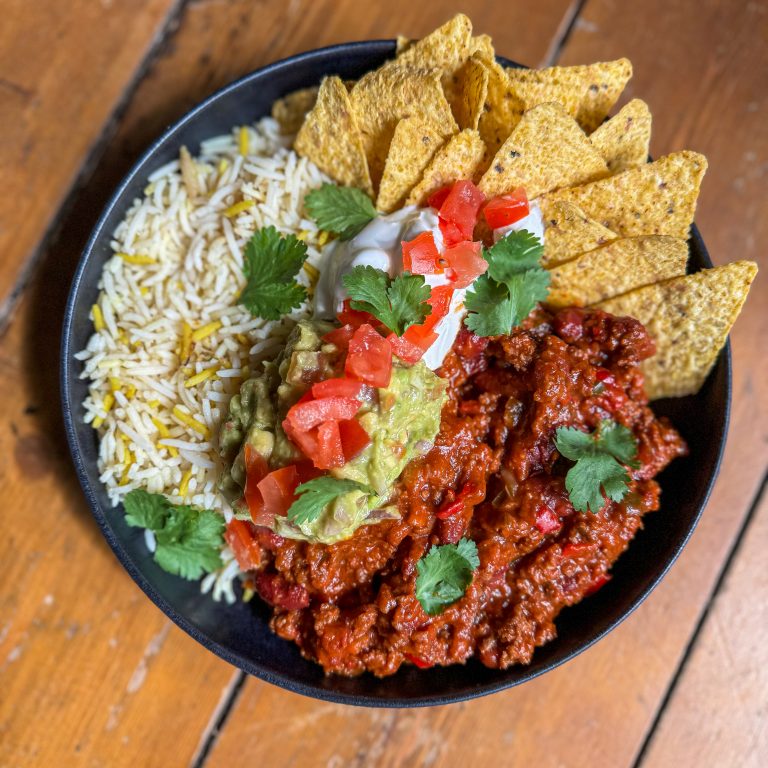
(274,589)
(240,539)
(458,213)
(340,336)
(304,416)
(406,350)
(436,199)
(417,662)
(600,581)
(369,359)
(420,255)
(576,549)
(449,510)
(604,375)
(278,490)
(337,388)
(507,209)
(354,438)
(329,451)
(465,263)
(355,317)
(546,520)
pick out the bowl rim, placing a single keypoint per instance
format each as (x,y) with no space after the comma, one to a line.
(249,666)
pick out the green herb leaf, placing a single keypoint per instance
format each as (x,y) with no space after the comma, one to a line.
(341,210)
(444,574)
(514,283)
(271,263)
(600,459)
(398,303)
(316,494)
(188,539)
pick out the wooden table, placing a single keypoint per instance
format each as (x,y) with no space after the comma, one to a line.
(91,673)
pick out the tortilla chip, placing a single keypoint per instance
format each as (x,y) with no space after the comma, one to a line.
(331,138)
(623,140)
(689,318)
(568,232)
(382,98)
(458,159)
(414,143)
(471,92)
(502,110)
(484,45)
(615,268)
(541,86)
(546,151)
(291,110)
(657,198)
(447,48)
(402,44)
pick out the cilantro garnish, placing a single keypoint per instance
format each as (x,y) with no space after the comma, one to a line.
(270,266)
(444,574)
(188,539)
(341,210)
(398,303)
(601,458)
(315,495)
(504,296)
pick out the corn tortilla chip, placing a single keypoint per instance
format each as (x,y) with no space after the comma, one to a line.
(472,90)
(568,232)
(689,319)
(615,268)
(414,143)
(623,140)
(331,139)
(291,110)
(484,45)
(458,159)
(402,44)
(382,98)
(447,48)
(547,150)
(540,86)
(657,198)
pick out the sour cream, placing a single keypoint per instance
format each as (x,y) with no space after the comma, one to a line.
(379,245)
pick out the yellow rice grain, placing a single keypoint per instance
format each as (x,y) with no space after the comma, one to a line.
(243,141)
(238,208)
(137,258)
(190,421)
(98,318)
(184,484)
(206,330)
(198,378)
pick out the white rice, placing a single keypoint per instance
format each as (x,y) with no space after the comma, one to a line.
(190,258)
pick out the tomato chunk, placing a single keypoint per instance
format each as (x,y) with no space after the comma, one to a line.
(340,336)
(465,263)
(420,255)
(306,442)
(337,388)
(304,416)
(355,317)
(436,199)
(369,360)
(329,451)
(420,336)
(458,213)
(255,469)
(278,488)
(507,209)
(241,541)
(354,438)
(405,349)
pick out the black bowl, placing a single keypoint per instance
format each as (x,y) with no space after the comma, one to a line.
(239,633)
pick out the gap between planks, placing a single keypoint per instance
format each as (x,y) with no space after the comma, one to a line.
(92,157)
(563,33)
(693,640)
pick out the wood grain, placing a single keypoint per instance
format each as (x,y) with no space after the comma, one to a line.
(717,714)
(63,70)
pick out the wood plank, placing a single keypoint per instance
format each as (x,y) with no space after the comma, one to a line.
(697,66)
(63,69)
(716,715)
(80,646)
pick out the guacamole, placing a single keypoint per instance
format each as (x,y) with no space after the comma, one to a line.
(401,419)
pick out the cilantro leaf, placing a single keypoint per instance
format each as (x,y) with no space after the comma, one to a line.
(600,459)
(316,494)
(188,539)
(271,263)
(514,283)
(398,303)
(341,210)
(444,574)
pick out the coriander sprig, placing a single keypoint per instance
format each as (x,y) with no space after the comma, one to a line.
(315,495)
(444,574)
(344,211)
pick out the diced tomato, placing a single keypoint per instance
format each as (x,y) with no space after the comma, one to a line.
(354,438)
(340,336)
(420,255)
(423,336)
(306,442)
(304,416)
(506,209)
(337,388)
(355,317)
(420,336)
(458,213)
(274,589)
(546,519)
(417,662)
(255,469)
(440,301)
(406,350)
(329,451)
(436,199)
(278,489)
(369,359)
(307,471)
(465,263)
(240,539)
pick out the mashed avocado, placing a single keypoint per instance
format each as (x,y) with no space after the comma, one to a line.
(401,419)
